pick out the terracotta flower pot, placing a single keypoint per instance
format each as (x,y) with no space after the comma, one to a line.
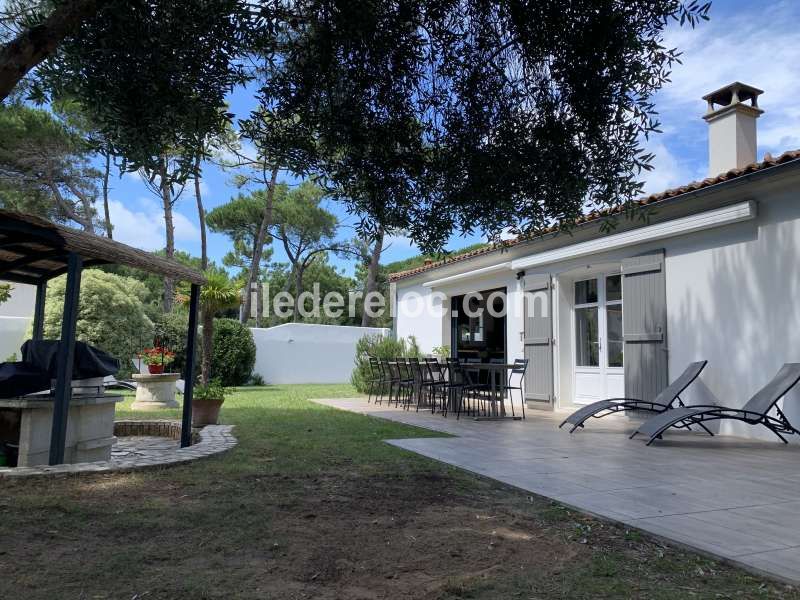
(155,369)
(205,412)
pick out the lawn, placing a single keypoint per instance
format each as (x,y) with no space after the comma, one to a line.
(312,504)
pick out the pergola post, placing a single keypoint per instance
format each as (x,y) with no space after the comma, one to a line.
(38,313)
(188,390)
(65,357)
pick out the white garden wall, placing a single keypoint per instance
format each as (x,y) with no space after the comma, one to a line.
(308,353)
(15,316)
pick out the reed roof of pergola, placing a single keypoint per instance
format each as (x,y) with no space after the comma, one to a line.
(34,250)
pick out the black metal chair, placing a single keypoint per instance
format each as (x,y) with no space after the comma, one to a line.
(438,383)
(423,385)
(374,377)
(518,370)
(462,387)
(405,383)
(383,381)
(392,377)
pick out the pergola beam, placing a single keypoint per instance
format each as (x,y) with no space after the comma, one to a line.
(86,263)
(17,278)
(24,261)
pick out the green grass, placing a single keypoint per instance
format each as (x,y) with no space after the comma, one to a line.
(313,504)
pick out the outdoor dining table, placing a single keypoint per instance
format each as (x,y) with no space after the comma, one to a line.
(496,384)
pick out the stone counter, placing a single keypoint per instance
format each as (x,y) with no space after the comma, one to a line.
(28,421)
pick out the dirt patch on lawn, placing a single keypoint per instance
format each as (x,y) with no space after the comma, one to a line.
(347,534)
(408,537)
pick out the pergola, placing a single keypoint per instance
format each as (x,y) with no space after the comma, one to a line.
(34,251)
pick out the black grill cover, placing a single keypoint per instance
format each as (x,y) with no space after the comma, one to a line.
(89,361)
(19,379)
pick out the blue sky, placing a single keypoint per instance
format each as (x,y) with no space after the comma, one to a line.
(757,43)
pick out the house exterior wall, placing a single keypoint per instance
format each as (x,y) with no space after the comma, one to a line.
(732,298)
(431,326)
(15,316)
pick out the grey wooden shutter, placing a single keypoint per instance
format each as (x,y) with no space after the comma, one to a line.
(644,325)
(538,338)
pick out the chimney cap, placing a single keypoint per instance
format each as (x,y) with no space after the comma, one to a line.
(731,95)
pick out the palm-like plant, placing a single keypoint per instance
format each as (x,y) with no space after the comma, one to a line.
(5,292)
(219,293)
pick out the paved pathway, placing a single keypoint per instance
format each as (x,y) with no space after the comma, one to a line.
(132,453)
(730,497)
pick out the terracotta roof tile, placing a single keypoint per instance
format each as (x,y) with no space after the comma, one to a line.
(767,162)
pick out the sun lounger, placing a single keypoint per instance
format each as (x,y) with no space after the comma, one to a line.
(666,400)
(754,412)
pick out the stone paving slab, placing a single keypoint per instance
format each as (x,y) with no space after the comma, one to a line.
(733,498)
(133,453)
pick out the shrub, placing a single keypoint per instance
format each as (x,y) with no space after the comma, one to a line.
(256,380)
(234,353)
(171,331)
(213,390)
(111,315)
(379,347)
(441,352)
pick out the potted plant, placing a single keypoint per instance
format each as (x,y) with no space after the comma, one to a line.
(206,402)
(157,358)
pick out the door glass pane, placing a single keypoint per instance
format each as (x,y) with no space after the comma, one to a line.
(615,344)
(613,288)
(586,337)
(586,291)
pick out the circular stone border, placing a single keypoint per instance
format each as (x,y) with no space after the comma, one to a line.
(208,441)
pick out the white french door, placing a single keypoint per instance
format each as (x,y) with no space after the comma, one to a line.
(598,356)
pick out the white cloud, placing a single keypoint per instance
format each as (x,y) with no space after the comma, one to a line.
(760,47)
(668,170)
(143,226)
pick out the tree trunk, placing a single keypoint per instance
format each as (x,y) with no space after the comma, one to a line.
(106,172)
(372,274)
(255,265)
(259,305)
(207,318)
(298,289)
(287,286)
(86,203)
(166,196)
(33,45)
(201,214)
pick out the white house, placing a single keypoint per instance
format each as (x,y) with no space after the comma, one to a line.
(712,275)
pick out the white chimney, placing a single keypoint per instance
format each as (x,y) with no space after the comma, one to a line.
(731,127)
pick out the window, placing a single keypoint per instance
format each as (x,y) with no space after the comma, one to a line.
(586,292)
(598,322)
(587,343)
(587,331)
(614,341)
(614,288)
